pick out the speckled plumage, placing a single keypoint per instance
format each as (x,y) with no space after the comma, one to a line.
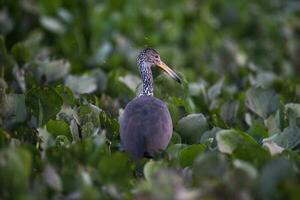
(145,60)
(146,125)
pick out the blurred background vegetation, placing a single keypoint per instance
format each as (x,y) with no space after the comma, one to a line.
(68,68)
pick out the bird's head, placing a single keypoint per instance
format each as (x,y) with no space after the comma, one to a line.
(151,57)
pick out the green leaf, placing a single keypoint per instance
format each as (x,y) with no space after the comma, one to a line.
(166,87)
(228,140)
(131,81)
(20,53)
(116,88)
(293,111)
(66,94)
(52,24)
(242,146)
(289,138)
(210,164)
(110,124)
(215,90)
(62,141)
(262,102)
(229,111)
(26,134)
(209,137)
(257,130)
(57,127)
(44,103)
(272,176)
(101,78)
(188,154)
(115,168)
(89,119)
(175,139)
(16,110)
(192,127)
(15,170)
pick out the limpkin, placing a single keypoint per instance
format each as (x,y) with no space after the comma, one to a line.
(146,125)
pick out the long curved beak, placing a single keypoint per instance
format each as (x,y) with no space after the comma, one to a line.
(169,71)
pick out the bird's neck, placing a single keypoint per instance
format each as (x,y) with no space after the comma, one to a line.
(146,75)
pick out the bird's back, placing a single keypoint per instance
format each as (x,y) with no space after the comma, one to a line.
(145,127)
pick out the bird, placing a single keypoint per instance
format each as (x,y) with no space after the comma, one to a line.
(146,125)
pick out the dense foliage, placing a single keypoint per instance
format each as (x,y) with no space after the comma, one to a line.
(68,69)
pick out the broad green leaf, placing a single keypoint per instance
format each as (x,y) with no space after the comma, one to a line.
(209,137)
(88,117)
(257,130)
(262,102)
(57,127)
(66,94)
(175,139)
(44,103)
(131,81)
(110,124)
(188,154)
(210,164)
(241,146)
(289,138)
(173,151)
(228,140)
(192,127)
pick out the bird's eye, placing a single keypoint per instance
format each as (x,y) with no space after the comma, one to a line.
(156,56)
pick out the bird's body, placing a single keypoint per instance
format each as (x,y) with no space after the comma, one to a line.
(146,125)
(146,137)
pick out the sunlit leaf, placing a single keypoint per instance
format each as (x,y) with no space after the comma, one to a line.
(81,84)
(57,127)
(54,70)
